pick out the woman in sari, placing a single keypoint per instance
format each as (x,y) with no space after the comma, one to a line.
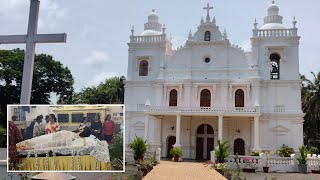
(53,125)
(14,138)
(96,127)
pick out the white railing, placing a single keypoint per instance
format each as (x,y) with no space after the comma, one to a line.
(275,32)
(147,39)
(168,109)
(256,160)
(281,161)
(149,155)
(283,164)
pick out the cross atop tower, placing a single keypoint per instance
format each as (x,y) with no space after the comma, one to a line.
(208,9)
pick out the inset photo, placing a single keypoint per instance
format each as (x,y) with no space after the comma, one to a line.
(66,138)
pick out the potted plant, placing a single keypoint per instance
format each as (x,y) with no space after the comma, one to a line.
(222,151)
(250,165)
(221,168)
(176,153)
(285,151)
(142,167)
(253,153)
(302,160)
(266,167)
(313,150)
(139,147)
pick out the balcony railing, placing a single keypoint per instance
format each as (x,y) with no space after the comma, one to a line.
(217,110)
(147,39)
(275,32)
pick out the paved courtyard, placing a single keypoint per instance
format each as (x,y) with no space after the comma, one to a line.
(168,170)
(182,170)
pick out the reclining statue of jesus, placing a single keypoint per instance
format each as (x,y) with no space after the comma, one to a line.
(59,139)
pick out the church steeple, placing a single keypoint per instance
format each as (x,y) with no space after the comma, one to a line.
(152,27)
(273,20)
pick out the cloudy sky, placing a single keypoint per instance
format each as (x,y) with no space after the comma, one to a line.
(98,30)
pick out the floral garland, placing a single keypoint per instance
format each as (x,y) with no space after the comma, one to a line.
(54,161)
(47,161)
(36,161)
(97,163)
(79,161)
(72,159)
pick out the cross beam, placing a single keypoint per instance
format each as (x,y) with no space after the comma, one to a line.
(208,9)
(31,39)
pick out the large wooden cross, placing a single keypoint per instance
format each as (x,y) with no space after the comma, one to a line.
(30,40)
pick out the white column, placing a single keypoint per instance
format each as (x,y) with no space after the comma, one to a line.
(146,127)
(178,131)
(220,127)
(256,137)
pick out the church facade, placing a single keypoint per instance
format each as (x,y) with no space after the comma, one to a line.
(209,89)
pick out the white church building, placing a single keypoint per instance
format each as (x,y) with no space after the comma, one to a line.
(210,89)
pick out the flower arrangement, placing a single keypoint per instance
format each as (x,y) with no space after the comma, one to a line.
(26,175)
(268,153)
(249,163)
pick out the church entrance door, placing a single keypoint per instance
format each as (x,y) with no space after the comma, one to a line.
(239,146)
(171,142)
(204,144)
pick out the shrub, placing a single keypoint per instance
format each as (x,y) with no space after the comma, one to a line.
(139,146)
(313,150)
(255,153)
(222,151)
(176,152)
(116,148)
(286,151)
(302,159)
(3,137)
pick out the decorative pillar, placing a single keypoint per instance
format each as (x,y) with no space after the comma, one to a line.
(178,131)
(146,127)
(220,127)
(256,132)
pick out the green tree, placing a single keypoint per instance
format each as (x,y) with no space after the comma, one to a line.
(49,76)
(311,107)
(111,91)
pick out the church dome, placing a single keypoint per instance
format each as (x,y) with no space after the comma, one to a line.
(152,27)
(150,33)
(273,26)
(153,17)
(273,9)
(273,20)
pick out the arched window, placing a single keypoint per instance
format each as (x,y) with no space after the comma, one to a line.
(207,36)
(275,66)
(239,98)
(205,98)
(173,101)
(143,68)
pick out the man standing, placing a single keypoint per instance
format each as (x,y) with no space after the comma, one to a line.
(44,124)
(108,129)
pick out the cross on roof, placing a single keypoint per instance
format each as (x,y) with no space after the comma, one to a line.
(208,9)
(31,39)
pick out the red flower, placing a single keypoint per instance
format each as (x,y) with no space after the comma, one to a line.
(21,174)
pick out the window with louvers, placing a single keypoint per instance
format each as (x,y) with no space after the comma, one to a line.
(239,98)
(205,98)
(173,98)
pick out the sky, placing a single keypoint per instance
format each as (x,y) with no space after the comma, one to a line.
(98,30)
